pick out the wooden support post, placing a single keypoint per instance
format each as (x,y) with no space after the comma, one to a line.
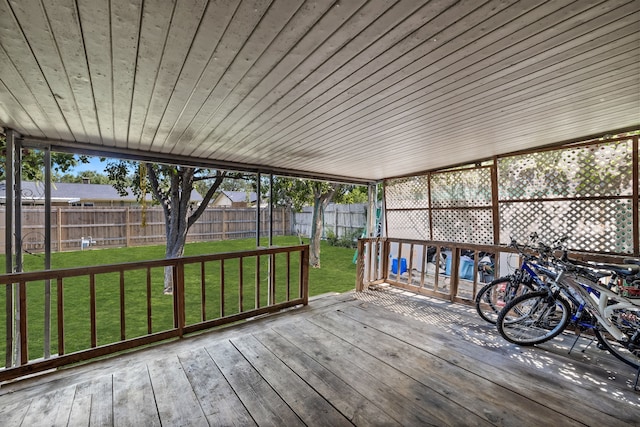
(304,275)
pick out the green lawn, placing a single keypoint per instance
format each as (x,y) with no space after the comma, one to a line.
(336,275)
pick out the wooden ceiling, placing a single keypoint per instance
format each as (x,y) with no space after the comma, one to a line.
(357,89)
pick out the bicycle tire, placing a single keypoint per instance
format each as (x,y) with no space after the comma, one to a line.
(533,318)
(492,298)
(628,321)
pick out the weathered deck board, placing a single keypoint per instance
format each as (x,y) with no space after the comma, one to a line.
(133,396)
(376,358)
(92,403)
(310,406)
(219,402)
(264,404)
(177,402)
(467,388)
(359,410)
(546,373)
(415,402)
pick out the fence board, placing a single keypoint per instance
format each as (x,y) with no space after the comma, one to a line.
(122,226)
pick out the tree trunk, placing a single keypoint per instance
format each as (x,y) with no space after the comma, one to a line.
(178,214)
(317,226)
(320,201)
(175,249)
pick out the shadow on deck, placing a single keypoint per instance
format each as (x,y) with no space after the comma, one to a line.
(379,357)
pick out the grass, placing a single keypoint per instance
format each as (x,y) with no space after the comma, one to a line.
(336,275)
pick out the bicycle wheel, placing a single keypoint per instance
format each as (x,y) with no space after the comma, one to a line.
(533,318)
(495,295)
(628,321)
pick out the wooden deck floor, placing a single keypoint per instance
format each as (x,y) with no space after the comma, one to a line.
(376,358)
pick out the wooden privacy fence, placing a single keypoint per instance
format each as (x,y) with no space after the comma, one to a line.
(95,311)
(118,227)
(341,220)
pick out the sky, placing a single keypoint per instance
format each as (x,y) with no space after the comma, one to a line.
(94,165)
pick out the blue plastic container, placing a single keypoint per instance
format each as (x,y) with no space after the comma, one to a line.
(394,265)
(466,268)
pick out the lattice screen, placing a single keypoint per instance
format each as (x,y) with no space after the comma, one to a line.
(408,224)
(590,177)
(590,225)
(465,226)
(407,193)
(408,213)
(603,170)
(461,188)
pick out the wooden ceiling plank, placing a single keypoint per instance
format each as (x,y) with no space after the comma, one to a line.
(41,41)
(511,124)
(490,94)
(244,20)
(404,98)
(333,46)
(125,34)
(529,134)
(262,37)
(154,30)
(95,20)
(19,97)
(283,49)
(63,19)
(14,115)
(437,120)
(394,162)
(21,56)
(529,105)
(402,45)
(180,40)
(483,99)
(400,11)
(466,68)
(285,70)
(214,22)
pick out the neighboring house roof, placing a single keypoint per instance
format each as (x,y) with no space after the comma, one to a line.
(240,196)
(75,192)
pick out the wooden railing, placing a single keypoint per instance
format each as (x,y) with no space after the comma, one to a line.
(94,311)
(445,270)
(432,268)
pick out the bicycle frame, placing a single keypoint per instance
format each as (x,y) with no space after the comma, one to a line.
(601,311)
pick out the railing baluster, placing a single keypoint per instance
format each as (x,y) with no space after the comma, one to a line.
(92,305)
(257,281)
(423,266)
(203,292)
(272,279)
(9,324)
(179,297)
(60,304)
(149,322)
(241,284)
(304,275)
(288,276)
(123,325)
(24,347)
(221,288)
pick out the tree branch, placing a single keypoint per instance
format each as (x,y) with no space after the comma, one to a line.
(207,198)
